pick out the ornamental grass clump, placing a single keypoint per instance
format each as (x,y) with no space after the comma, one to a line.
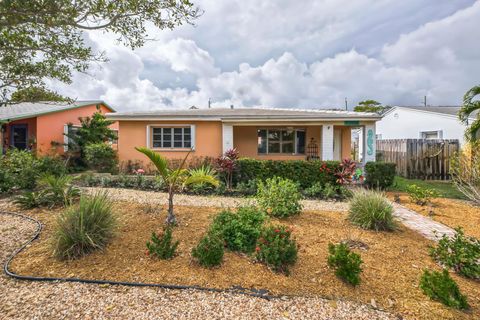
(84,228)
(240,230)
(209,250)
(279,197)
(276,248)
(345,262)
(441,287)
(460,253)
(371,210)
(162,245)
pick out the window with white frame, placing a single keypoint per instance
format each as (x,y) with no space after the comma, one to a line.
(281,141)
(171,137)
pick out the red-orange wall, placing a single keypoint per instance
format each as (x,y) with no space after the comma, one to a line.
(50,126)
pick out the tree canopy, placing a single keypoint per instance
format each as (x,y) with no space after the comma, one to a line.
(369,106)
(42,39)
(471,109)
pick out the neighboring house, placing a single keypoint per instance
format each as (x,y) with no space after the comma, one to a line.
(421,123)
(41,126)
(277,134)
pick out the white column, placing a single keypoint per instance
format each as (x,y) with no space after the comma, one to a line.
(370,144)
(327,141)
(227,137)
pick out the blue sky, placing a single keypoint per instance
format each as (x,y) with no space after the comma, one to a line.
(295,54)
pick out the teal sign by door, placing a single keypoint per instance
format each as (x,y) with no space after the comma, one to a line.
(370,142)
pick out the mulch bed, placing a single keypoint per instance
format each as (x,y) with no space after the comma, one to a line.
(451,212)
(393,262)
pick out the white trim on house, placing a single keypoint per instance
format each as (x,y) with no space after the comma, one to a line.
(327,141)
(227,137)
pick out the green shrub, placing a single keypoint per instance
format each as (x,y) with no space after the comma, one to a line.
(305,173)
(419,195)
(248,188)
(329,191)
(279,197)
(314,191)
(379,175)
(101,157)
(460,253)
(345,262)
(240,230)
(57,191)
(29,200)
(85,227)
(18,170)
(162,245)
(276,249)
(441,287)
(209,251)
(371,210)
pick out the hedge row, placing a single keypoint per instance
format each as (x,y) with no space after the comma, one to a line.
(305,173)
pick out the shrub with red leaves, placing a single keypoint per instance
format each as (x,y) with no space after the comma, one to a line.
(346,171)
(226,165)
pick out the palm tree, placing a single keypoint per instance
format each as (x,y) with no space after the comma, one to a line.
(175,178)
(470,106)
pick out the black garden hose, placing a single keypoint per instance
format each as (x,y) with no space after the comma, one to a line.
(238,290)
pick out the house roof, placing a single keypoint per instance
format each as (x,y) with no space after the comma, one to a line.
(239,114)
(448,110)
(28,109)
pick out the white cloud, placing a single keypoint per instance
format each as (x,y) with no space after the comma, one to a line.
(219,58)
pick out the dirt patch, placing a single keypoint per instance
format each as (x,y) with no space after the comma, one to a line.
(392,268)
(450,212)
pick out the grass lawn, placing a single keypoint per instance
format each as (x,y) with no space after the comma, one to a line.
(446,189)
(393,261)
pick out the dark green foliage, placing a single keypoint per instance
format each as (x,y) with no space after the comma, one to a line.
(460,253)
(162,246)
(276,249)
(441,287)
(85,227)
(379,175)
(248,188)
(305,173)
(240,230)
(53,46)
(279,197)
(347,264)
(101,157)
(371,210)
(209,251)
(19,169)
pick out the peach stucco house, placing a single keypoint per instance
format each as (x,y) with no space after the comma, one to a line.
(41,126)
(261,133)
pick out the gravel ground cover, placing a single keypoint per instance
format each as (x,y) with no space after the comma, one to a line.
(37,300)
(150,197)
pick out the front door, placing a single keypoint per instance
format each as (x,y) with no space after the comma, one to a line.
(337,144)
(19,136)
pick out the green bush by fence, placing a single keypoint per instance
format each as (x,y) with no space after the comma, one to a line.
(379,174)
(305,173)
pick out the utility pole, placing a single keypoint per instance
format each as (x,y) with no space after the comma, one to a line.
(424,101)
(209,103)
(346,104)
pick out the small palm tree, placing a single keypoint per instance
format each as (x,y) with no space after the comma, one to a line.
(470,106)
(175,179)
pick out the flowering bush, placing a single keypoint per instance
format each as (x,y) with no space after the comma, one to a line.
(240,230)
(276,249)
(226,165)
(209,251)
(279,197)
